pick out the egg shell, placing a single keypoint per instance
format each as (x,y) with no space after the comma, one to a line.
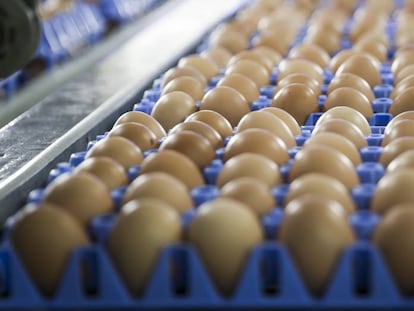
(214,119)
(186,84)
(403,161)
(231,40)
(258,141)
(206,66)
(401,60)
(173,108)
(311,52)
(253,56)
(403,102)
(223,244)
(193,145)
(226,101)
(253,192)
(250,165)
(286,118)
(395,148)
(407,115)
(175,164)
(326,38)
(297,99)
(373,47)
(110,172)
(402,86)
(242,84)
(316,233)
(183,71)
(218,54)
(298,65)
(364,66)
(299,78)
(144,119)
(251,69)
(352,81)
(117,148)
(404,73)
(269,53)
(136,241)
(137,133)
(340,58)
(400,128)
(324,160)
(202,128)
(271,39)
(44,238)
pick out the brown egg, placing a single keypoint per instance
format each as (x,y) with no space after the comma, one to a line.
(393,189)
(322,185)
(268,121)
(337,142)
(258,141)
(226,101)
(137,133)
(173,108)
(231,40)
(136,241)
(372,47)
(201,128)
(399,129)
(250,165)
(364,66)
(272,40)
(253,192)
(297,65)
(403,102)
(117,148)
(403,161)
(348,114)
(242,84)
(253,56)
(206,66)
(186,84)
(299,78)
(352,81)
(326,38)
(402,60)
(406,115)
(193,145)
(395,148)
(286,118)
(44,238)
(349,97)
(402,86)
(214,119)
(297,99)
(316,234)
(175,164)
(251,69)
(404,73)
(144,119)
(311,52)
(324,160)
(269,53)
(183,71)
(110,172)
(219,55)
(396,225)
(83,195)
(160,186)
(213,232)
(340,58)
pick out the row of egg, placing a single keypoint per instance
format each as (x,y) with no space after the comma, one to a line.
(224,230)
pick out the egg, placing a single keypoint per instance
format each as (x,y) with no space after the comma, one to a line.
(297,65)
(372,47)
(213,233)
(402,86)
(160,186)
(253,56)
(226,101)
(395,148)
(352,81)
(110,172)
(297,99)
(340,58)
(272,39)
(183,71)
(316,233)
(231,40)
(175,164)
(202,128)
(193,145)
(407,115)
(349,97)
(299,78)
(253,192)
(144,119)
(206,66)
(83,195)
(397,225)
(404,73)
(258,141)
(326,38)
(403,161)
(364,66)
(173,108)
(186,84)
(403,102)
(393,189)
(399,129)
(337,142)
(311,52)
(117,148)
(348,114)
(251,69)
(268,121)
(137,133)
(135,241)
(286,118)
(219,55)
(269,53)
(324,160)
(214,119)
(323,186)
(401,60)
(44,237)
(242,84)
(252,165)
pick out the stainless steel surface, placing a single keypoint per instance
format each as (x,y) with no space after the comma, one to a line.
(87,105)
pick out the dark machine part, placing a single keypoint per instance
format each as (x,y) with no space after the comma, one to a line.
(19,34)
